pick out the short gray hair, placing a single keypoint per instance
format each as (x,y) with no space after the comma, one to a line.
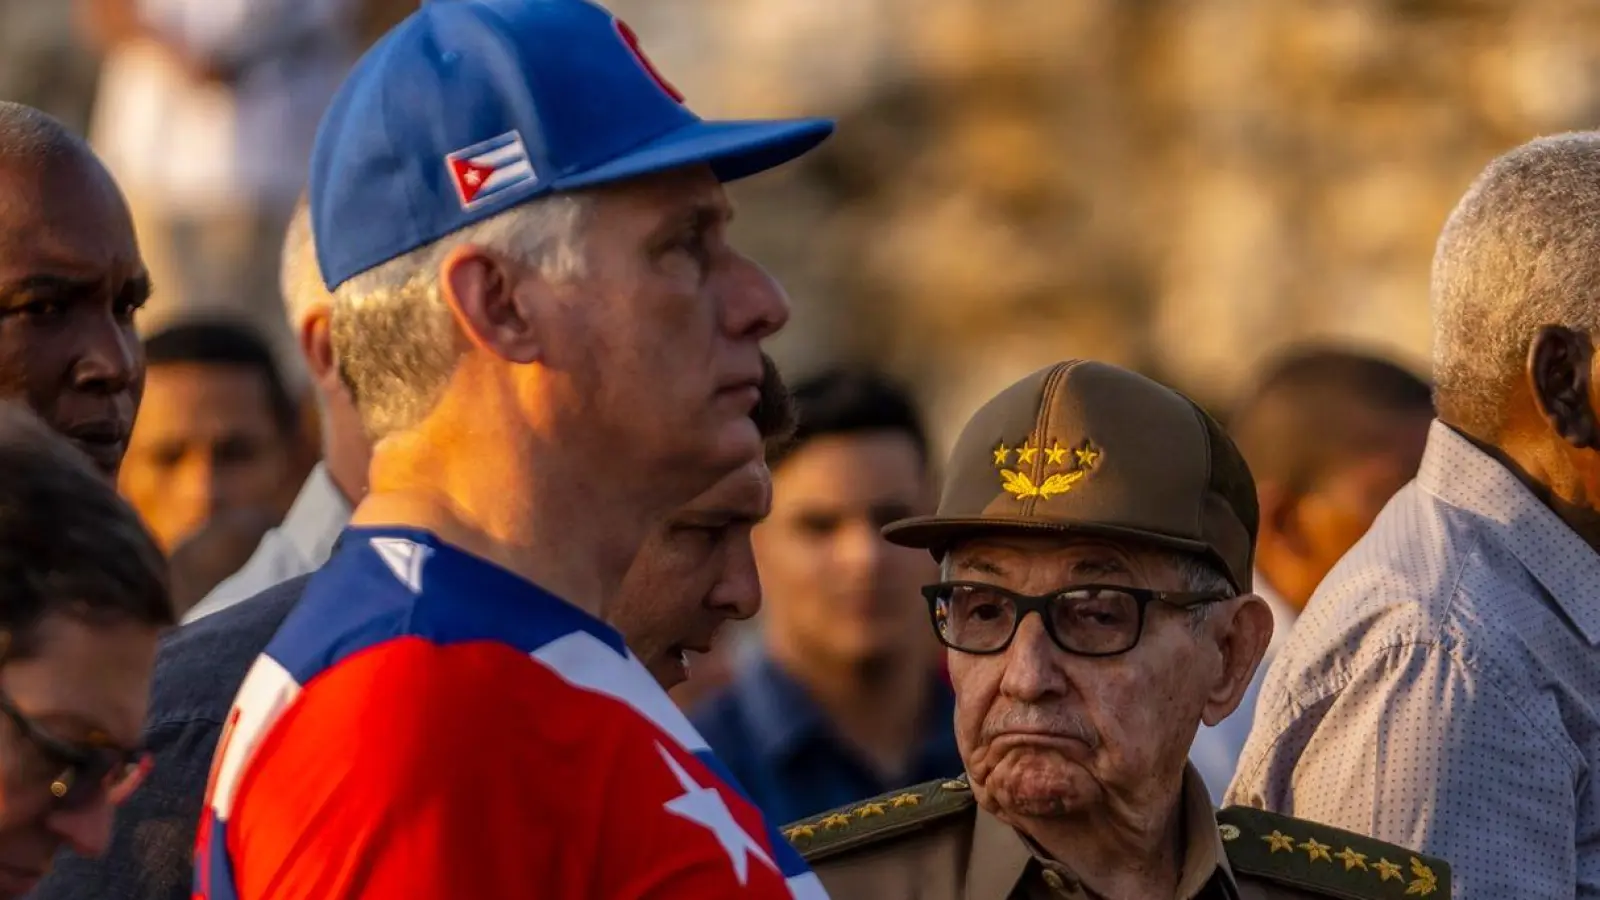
(1518,252)
(299,275)
(396,339)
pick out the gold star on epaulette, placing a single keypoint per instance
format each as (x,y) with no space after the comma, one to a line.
(1316,851)
(1425,883)
(869,809)
(1352,859)
(1277,840)
(799,831)
(1387,870)
(904,800)
(835,821)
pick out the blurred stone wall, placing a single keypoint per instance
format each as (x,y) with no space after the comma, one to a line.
(1180,185)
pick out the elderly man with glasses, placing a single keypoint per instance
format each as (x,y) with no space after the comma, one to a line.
(1095,534)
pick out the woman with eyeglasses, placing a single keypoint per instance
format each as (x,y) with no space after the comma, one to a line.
(83,598)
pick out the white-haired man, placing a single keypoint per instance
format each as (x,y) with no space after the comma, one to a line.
(304,540)
(553,346)
(1443,688)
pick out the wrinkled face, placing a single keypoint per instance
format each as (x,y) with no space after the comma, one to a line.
(836,591)
(661,339)
(70,281)
(1045,733)
(207,443)
(694,573)
(83,684)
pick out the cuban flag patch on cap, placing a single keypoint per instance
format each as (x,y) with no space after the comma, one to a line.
(489,168)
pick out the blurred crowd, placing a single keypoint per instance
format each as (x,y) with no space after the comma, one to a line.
(824,659)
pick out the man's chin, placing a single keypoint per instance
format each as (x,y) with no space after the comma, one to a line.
(669,669)
(1040,785)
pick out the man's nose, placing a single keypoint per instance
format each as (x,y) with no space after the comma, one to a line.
(109,356)
(754,305)
(86,831)
(738,594)
(1033,663)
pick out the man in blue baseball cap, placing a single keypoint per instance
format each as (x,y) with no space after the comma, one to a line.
(553,345)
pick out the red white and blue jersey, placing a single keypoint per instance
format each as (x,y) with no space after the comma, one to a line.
(426,724)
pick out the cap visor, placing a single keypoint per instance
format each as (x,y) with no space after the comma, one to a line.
(733,150)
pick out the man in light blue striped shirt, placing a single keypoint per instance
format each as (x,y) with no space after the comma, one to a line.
(1442,689)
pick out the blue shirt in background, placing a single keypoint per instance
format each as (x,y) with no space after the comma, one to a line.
(787,756)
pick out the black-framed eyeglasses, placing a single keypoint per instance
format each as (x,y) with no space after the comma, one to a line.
(88,771)
(1085,619)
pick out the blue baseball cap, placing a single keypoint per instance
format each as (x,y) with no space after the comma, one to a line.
(470,107)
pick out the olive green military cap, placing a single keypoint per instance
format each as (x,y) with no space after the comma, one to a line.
(1089,448)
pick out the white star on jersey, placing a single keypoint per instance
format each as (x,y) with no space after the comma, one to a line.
(704,806)
(472,177)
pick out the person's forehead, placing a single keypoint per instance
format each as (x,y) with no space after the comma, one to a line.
(218,395)
(684,190)
(64,220)
(1020,554)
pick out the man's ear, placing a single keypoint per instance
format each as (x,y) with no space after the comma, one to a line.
(1560,372)
(316,344)
(481,288)
(1243,641)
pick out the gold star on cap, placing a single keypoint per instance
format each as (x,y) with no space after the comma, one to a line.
(1001,454)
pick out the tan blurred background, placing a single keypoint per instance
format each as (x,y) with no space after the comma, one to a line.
(1179,185)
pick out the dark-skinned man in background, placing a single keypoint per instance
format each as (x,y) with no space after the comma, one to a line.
(1443,688)
(71,279)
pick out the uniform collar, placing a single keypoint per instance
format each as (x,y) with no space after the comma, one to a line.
(1001,856)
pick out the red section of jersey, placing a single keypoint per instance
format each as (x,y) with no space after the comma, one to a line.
(469,178)
(474,771)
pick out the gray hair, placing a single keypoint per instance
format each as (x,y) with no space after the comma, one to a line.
(395,337)
(299,275)
(1517,253)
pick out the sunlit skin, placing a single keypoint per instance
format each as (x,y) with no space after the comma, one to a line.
(694,573)
(1087,755)
(80,681)
(207,443)
(586,409)
(71,279)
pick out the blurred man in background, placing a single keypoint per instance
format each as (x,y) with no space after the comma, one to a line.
(71,279)
(845,699)
(206,113)
(322,509)
(1330,435)
(1443,688)
(217,434)
(85,598)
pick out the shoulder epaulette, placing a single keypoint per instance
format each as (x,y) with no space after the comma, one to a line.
(879,818)
(1327,860)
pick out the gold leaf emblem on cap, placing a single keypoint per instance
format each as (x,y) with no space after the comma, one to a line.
(1019,484)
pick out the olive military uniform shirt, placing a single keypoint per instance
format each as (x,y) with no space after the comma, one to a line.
(933,842)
